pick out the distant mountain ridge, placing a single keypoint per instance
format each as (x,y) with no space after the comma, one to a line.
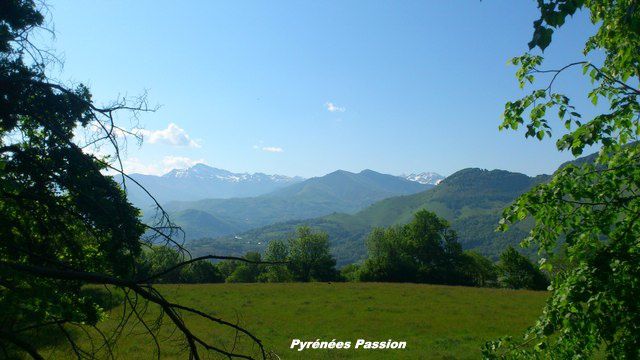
(472,200)
(201,181)
(204,172)
(340,191)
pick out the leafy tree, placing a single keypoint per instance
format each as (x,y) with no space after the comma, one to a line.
(425,250)
(227,267)
(159,258)
(247,272)
(436,247)
(277,252)
(390,257)
(201,272)
(350,273)
(309,256)
(65,224)
(593,206)
(518,272)
(480,269)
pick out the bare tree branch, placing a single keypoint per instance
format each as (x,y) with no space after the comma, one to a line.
(21,344)
(209,257)
(149,293)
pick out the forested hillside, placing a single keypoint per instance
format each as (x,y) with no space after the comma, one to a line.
(472,200)
(339,191)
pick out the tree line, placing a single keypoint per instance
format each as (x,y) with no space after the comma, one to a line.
(303,258)
(424,251)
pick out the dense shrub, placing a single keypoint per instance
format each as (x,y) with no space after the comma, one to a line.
(517,272)
(425,251)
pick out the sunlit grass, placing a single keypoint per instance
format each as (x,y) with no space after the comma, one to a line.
(437,322)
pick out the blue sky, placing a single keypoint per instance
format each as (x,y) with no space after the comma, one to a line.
(305,88)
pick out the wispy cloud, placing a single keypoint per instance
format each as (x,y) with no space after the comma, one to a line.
(168,163)
(173,135)
(331,107)
(272,149)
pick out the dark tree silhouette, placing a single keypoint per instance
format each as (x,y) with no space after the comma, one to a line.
(64,222)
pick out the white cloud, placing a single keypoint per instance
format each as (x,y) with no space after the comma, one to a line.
(172,135)
(331,107)
(168,163)
(135,165)
(272,149)
(179,162)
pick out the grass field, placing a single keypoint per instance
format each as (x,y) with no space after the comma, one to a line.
(437,322)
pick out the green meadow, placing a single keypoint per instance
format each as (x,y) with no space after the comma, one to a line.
(437,322)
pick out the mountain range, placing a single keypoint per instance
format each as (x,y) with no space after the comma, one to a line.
(472,201)
(349,205)
(338,192)
(203,182)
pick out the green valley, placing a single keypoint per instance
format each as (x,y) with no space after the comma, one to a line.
(472,200)
(339,191)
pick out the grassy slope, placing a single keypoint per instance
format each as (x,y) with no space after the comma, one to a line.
(438,322)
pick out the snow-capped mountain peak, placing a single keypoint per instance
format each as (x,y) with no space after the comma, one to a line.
(205,172)
(425,178)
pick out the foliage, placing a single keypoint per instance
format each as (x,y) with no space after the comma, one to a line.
(425,250)
(227,267)
(390,257)
(595,207)
(64,223)
(158,258)
(350,272)
(303,258)
(57,210)
(201,272)
(277,251)
(309,256)
(245,272)
(517,272)
(480,269)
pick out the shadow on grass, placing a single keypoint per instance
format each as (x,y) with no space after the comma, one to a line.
(51,338)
